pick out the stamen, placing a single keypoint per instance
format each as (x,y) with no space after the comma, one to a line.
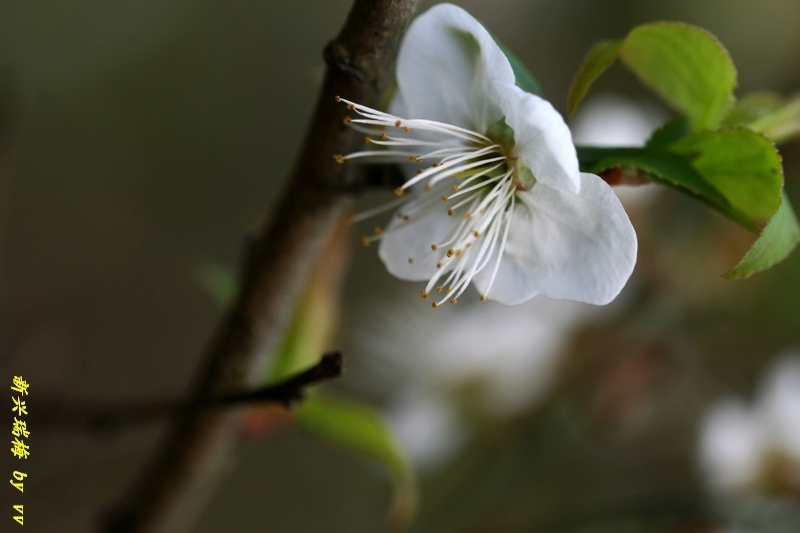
(464,164)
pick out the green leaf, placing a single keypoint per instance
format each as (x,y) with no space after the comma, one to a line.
(770,114)
(735,171)
(525,80)
(685,65)
(743,166)
(778,239)
(753,107)
(659,165)
(668,133)
(601,56)
(362,430)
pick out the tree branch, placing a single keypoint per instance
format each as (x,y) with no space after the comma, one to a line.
(87,415)
(173,488)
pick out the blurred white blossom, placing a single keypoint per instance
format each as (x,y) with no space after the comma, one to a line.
(615,120)
(474,364)
(755,449)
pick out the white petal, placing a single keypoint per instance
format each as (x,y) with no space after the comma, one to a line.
(565,246)
(413,238)
(445,67)
(542,139)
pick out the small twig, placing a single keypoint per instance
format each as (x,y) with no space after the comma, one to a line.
(87,415)
(291,391)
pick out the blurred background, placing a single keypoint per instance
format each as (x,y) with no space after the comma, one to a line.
(142,142)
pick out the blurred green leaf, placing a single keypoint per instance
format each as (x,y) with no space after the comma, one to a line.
(768,113)
(744,166)
(525,80)
(219,282)
(685,65)
(778,239)
(361,429)
(305,338)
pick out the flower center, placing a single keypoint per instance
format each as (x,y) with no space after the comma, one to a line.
(470,176)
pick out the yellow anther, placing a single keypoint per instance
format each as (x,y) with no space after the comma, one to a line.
(450,252)
(438,265)
(428,187)
(483,297)
(406,129)
(468,216)
(347,121)
(397,124)
(438,289)
(434,247)
(435,305)
(337,98)
(410,260)
(339,158)
(377,230)
(348,219)
(451,212)
(445,198)
(367,140)
(476,233)
(351,107)
(424,294)
(453,301)
(399,191)
(415,159)
(459,253)
(384,136)
(455,188)
(365,241)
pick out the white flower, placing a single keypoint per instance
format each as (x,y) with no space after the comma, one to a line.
(500,201)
